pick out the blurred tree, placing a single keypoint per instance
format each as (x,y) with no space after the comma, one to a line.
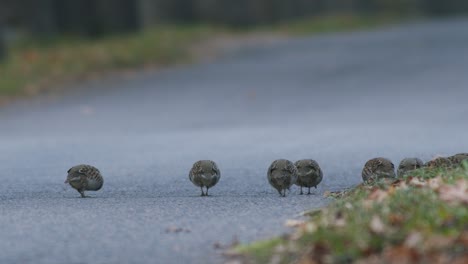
(2,42)
(94,18)
(3,49)
(98,17)
(438,7)
(41,15)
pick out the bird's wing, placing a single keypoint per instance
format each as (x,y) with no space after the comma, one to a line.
(272,167)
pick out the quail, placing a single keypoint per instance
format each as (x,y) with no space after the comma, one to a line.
(309,174)
(204,174)
(440,162)
(378,168)
(457,159)
(281,175)
(409,164)
(84,178)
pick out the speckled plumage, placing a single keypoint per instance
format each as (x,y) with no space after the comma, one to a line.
(309,174)
(440,162)
(281,175)
(457,159)
(204,174)
(378,168)
(84,178)
(409,164)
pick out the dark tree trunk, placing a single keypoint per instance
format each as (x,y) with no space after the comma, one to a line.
(3,49)
(42,17)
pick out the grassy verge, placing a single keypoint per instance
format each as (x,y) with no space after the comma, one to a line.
(422,218)
(35,65)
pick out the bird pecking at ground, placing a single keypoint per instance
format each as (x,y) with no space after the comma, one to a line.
(84,178)
(309,174)
(378,168)
(409,164)
(204,174)
(281,175)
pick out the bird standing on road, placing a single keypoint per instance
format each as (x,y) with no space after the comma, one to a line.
(309,174)
(204,173)
(378,168)
(281,175)
(409,164)
(84,178)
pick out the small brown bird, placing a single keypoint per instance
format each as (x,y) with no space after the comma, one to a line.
(281,175)
(457,159)
(440,162)
(84,178)
(409,164)
(204,173)
(309,174)
(378,168)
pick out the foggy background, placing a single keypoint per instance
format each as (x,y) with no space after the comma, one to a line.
(99,17)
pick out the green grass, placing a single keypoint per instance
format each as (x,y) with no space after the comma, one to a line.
(34,65)
(421,218)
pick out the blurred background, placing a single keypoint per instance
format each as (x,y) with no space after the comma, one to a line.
(99,17)
(42,41)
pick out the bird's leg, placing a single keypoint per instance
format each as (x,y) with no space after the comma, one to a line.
(280,193)
(284,192)
(202,192)
(301,193)
(82,193)
(308,192)
(206,191)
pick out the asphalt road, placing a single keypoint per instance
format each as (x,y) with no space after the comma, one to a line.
(339,98)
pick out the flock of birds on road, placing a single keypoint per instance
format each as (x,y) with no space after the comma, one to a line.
(281,174)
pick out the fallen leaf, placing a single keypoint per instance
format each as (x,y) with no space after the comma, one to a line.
(413,240)
(174,229)
(376,225)
(400,255)
(435,183)
(463,239)
(438,242)
(378,195)
(396,219)
(294,223)
(455,193)
(417,182)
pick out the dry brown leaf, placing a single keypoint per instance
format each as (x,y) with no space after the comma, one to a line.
(294,223)
(435,183)
(396,219)
(417,182)
(455,193)
(376,225)
(400,255)
(378,195)
(461,260)
(463,239)
(438,242)
(413,240)
(310,227)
